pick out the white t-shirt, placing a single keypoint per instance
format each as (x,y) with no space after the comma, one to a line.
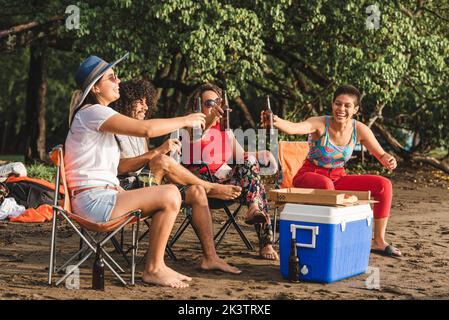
(91,156)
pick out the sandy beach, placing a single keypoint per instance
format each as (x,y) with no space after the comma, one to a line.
(419,226)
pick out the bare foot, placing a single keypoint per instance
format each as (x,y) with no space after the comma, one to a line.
(166,277)
(224,191)
(218,264)
(268,253)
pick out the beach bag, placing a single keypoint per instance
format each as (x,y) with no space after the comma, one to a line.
(30,192)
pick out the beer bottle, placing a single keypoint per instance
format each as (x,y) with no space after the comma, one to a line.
(197,107)
(293,263)
(98,271)
(224,121)
(268,117)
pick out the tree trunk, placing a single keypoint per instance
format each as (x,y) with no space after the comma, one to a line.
(241,104)
(416,157)
(35,104)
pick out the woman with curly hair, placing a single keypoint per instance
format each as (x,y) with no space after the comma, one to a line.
(246,175)
(137,97)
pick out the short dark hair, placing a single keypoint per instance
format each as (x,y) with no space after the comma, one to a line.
(132,91)
(349,90)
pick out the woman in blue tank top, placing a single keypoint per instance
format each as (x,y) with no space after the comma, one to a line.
(332,140)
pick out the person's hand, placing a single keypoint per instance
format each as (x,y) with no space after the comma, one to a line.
(169,146)
(215,114)
(266,158)
(195,120)
(280,123)
(388,161)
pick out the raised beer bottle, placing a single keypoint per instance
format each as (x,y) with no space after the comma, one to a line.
(197,107)
(98,271)
(268,117)
(225,119)
(293,263)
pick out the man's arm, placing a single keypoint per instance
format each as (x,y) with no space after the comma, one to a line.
(135,163)
(127,165)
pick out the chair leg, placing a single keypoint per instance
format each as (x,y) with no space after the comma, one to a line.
(185,223)
(231,220)
(133,253)
(119,248)
(52,248)
(81,245)
(136,248)
(170,253)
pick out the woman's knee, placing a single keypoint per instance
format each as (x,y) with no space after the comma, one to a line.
(171,196)
(381,185)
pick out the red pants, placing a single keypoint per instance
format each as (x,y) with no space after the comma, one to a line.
(311,176)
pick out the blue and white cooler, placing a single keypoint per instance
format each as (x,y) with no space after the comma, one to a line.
(332,243)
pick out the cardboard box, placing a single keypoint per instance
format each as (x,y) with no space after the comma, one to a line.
(320,197)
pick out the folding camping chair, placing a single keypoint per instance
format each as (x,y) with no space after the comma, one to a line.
(215,204)
(111,227)
(292,155)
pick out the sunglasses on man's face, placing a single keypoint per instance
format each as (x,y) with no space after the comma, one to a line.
(209,103)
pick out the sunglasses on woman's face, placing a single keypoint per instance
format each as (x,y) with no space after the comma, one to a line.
(209,103)
(112,77)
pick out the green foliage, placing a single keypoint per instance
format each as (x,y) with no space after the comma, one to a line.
(295,51)
(41,171)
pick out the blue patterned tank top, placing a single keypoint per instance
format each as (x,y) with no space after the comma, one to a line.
(323,153)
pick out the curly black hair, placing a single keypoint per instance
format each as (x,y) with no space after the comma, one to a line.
(133,90)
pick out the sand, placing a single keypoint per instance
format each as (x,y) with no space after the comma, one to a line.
(419,226)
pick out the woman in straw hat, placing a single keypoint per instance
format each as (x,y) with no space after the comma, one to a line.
(92,157)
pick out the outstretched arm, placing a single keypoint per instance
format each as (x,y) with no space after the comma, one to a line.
(304,127)
(367,138)
(123,125)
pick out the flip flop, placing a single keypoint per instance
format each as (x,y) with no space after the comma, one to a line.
(257,216)
(389,251)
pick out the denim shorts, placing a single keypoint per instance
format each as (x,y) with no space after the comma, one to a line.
(95,205)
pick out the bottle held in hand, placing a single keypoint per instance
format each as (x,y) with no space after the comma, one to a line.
(293,263)
(197,107)
(268,117)
(98,271)
(225,119)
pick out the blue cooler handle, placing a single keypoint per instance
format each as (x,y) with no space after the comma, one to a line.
(294,227)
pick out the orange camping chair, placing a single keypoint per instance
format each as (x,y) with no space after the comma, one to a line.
(292,155)
(63,209)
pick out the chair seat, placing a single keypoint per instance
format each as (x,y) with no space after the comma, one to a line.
(108,226)
(219,204)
